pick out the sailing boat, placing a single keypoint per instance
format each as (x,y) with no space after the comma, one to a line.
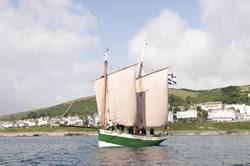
(124,99)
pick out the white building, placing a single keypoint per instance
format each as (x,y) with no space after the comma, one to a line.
(246,113)
(192,113)
(236,107)
(170,116)
(211,106)
(243,109)
(21,123)
(26,123)
(42,121)
(30,122)
(222,115)
(55,121)
(96,119)
(91,121)
(6,124)
(73,121)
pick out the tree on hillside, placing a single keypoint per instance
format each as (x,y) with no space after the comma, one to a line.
(230,94)
(189,100)
(176,109)
(176,100)
(202,115)
(243,98)
(199,109)
(32,115)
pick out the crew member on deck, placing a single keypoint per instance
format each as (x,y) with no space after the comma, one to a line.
(151,131)
(110,125)
(143,131)
(136,130)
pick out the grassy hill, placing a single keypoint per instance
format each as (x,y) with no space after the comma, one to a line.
(228,95)
(81,107)
(177,97)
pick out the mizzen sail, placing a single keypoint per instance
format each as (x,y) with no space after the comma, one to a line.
(152,99)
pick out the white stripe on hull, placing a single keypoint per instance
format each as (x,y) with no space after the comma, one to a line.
(131,136)
(103,144)
(125,135)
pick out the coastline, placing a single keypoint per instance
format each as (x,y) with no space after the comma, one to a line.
(92,133)
(39,134)
(208,132)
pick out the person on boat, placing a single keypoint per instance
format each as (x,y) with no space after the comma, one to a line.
(130,129)
(122,127)
(118,127)
(136,130)
(143,131)
(151,131)
(110,125)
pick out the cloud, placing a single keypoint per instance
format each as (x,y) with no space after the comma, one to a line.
(43,52)
(228,17)
(217,55)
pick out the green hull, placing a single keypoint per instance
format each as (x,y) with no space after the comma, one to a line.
(112,138)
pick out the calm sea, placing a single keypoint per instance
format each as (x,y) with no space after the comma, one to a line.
(177,150)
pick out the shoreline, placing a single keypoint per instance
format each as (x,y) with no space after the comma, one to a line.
(41,134)
(208,133)
(92,133)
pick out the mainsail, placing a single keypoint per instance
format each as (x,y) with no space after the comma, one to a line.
(152,99)
(121,96)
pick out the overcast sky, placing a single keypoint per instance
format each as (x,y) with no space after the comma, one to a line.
(51,50)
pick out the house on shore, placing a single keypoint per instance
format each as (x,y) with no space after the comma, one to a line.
(170,116)
(188,114)
(217,105)
(221,115)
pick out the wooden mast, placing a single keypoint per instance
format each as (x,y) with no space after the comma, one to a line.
(142,57)
(104,120)
(139,115)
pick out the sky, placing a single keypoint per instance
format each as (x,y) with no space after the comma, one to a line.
(52,50)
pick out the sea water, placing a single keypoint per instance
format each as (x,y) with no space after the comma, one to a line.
(83,150)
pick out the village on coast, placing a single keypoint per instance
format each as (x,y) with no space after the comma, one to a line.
(210,111)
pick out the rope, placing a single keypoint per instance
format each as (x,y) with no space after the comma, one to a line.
(68,108)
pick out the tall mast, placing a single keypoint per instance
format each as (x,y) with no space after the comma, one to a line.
(140,82)
(142,57)
(105,86)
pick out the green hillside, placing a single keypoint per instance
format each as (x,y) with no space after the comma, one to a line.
(228,95)
(177,97)
(82,107)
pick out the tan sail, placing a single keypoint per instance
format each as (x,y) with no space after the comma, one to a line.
(152,99)
(99,85)
(121,96)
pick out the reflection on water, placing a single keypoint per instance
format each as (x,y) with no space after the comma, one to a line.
(132,156)
(177,150)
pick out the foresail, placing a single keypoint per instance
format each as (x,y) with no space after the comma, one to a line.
(152,99)
(99,89)
(122,96)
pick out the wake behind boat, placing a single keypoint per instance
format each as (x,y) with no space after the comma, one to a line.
(131,102)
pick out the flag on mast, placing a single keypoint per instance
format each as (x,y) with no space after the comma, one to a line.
(106,55)
(172,79)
